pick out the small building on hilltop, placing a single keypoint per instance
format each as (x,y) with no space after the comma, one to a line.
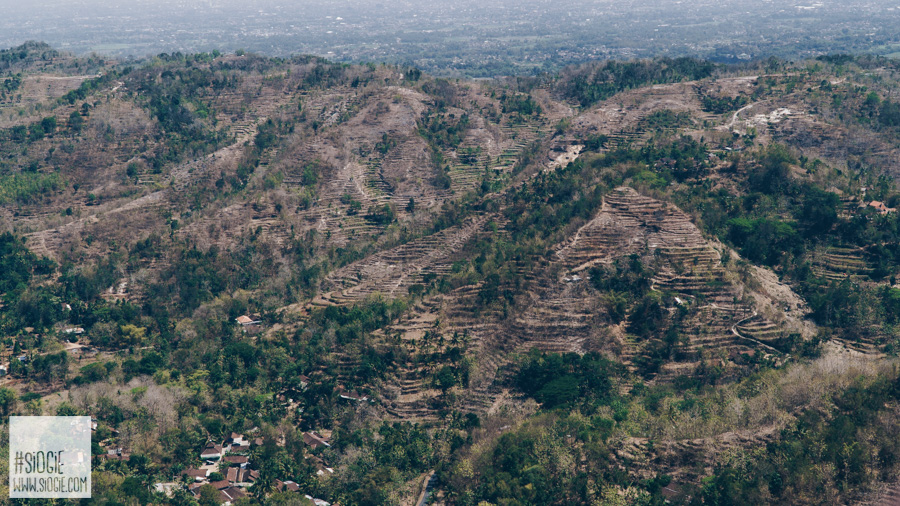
(252,319)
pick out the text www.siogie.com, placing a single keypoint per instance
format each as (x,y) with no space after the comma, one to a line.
(60,485)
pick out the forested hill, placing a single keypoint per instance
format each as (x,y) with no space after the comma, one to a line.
(631,282)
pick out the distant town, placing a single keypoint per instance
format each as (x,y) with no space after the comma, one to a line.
(466,38)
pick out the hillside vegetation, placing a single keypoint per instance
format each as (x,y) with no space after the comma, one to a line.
(629,283)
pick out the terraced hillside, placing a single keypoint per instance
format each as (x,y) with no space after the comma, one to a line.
(838,263)
(392,272)
(643,270)
(691,273)
(563,312)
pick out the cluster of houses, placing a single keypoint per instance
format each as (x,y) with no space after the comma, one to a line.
(113,451)
(230,459)
(877,206)
(316,440)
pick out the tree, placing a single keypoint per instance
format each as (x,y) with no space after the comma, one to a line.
(34,407)
(76,122)
(132,334)
(413,74)
(133,487)
(66,409)
(39,309)
(15,263)
(209,496)
(445,379)
(381,215)
(819,213)
(557,392)
(132,170)
(8,401)
(763,240)
(772,175)
(889,114)
(48,125)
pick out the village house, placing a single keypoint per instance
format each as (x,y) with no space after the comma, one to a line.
(236,448)
(317,502)
(236,443)
(321,468)
(231,494)
(212,451)
(288,486)
(250,324)
(241,475)
(196,474)
(219,485)
(79,350)
(115,454)
(352,395)
(167,488)
(315,440)
(236,439)
(245,320)
(241,460)
(226,493)
(881,207)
